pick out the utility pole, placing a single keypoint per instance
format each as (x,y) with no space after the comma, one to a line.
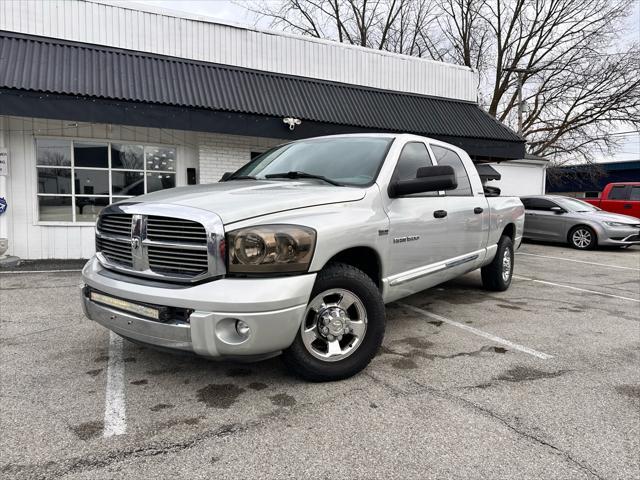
(520,72)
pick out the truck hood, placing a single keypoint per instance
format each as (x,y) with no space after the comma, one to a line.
(242,199)
(610,217)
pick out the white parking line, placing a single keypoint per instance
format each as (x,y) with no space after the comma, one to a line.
(10,272)
(115,416)
(579,261)
(544,282)
(475,331)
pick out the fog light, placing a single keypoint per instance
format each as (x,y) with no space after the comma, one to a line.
(242,328)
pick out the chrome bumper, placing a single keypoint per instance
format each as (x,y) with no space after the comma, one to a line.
(272,307)
(174,336)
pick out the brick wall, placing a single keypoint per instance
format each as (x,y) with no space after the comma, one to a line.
(226,153)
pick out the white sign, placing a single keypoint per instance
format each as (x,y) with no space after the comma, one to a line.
(4,162)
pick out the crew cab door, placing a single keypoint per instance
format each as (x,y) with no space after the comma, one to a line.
(417,225)
(623,199)
(467,208)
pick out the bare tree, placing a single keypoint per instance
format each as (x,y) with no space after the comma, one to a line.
(393,25)
(581,79)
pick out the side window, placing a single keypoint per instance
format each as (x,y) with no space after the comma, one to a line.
(539,204)
(635,193)
(619,192)
(444,156)
(414,155)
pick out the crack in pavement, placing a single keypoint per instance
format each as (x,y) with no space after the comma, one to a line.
(72,465)
(78,464)
(419,388)
(522,433)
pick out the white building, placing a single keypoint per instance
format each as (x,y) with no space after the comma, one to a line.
(101,101)
(527,176)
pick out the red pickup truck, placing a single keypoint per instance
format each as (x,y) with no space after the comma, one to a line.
(621,198)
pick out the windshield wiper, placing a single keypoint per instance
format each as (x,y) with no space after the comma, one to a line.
(241,177)
(297,174)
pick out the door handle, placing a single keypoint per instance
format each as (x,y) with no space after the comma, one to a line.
(478,210)
(627,205)
(440,213)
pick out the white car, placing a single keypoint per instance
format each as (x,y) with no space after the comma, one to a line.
(298,251)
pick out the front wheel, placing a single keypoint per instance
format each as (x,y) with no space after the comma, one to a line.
(342,328)
(498,274)
(582,238)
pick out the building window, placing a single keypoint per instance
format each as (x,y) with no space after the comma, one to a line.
(77,179)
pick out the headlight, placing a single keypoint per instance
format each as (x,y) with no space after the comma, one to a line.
(271,249)
(617,224)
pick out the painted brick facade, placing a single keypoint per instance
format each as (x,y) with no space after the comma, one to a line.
(226,153)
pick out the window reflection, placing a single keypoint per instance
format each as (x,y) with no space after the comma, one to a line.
(91,155)
(54,180)
(53,152)
(55,209)
(102,173)
(88,208)
(160,181)
(129,157)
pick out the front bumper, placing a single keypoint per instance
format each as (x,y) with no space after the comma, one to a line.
(620,236)
(272,307)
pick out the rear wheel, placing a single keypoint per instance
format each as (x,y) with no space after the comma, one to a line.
(582,238)
(342,328)
(497,275)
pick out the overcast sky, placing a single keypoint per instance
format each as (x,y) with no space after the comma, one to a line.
(228,11)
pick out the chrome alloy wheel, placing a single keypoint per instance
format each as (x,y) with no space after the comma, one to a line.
(581,238)
(334,325)
(506,265)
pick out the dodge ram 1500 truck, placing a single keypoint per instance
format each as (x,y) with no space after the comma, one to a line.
(298,251)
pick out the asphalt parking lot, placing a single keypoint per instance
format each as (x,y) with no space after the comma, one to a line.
(542,381)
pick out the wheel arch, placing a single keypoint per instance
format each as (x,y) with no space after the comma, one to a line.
(510,231)
(363,258)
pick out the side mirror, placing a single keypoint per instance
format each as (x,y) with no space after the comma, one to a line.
(558,210)
(428,179)
(225,176)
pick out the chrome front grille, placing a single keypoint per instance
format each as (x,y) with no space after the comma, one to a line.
(142,239)
(117,224)
(164,229)
(176,260)
(118,251)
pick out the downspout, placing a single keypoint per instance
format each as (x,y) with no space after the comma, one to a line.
(5,260)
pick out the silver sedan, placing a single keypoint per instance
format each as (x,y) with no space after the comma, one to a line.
(569,220)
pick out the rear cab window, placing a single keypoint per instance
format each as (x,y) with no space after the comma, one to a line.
(444,156)
(619,192)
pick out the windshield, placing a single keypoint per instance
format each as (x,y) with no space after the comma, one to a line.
(574,205)
(345,160)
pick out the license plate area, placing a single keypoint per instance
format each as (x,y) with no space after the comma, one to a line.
(138,309)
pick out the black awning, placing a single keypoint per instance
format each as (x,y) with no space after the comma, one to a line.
(77,70)
(487,172)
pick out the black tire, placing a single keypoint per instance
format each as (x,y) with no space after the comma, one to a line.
(493,277)
(579,234)
(341,276)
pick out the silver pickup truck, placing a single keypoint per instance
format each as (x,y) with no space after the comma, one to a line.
(298,251)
